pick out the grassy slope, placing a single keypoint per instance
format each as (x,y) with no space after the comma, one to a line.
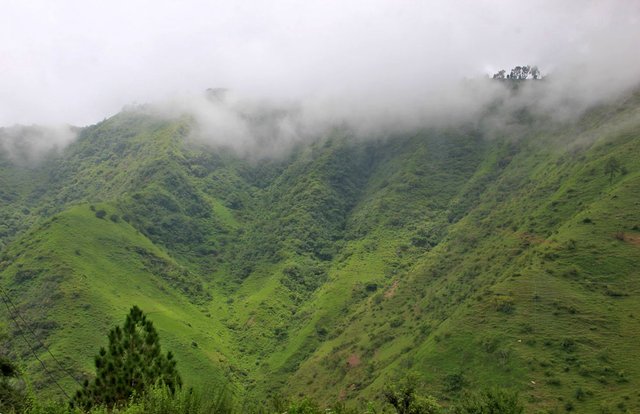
(76,276)
(75,249)
(464,258)
(521,292)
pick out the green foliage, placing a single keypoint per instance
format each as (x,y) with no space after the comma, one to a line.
(163,400)
(12,395)
(130,364)
(156,399)
(178,277)
(302,280)
(494,401)
(405,400)
(612,167)
(455,382)
(304,406)
(101,214)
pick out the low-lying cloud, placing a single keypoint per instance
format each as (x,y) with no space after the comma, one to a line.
(377,65)
(28,145)
(261,127)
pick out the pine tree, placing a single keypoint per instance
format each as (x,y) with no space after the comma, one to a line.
(132,362)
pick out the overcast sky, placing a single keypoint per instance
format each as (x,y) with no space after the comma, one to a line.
(81,61)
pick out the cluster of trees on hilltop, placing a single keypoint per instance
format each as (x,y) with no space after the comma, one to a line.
(519,73)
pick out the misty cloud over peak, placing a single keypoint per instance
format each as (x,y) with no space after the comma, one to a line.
(79,62)
(260,127)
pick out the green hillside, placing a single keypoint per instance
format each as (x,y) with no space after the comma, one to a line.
(468,256)
(74,274)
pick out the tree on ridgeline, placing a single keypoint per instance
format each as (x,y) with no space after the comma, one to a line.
(500,75)
(515,73)
(535,73)
(519,73)
(131,363)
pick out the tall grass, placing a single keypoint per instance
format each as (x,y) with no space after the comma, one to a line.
(157,400)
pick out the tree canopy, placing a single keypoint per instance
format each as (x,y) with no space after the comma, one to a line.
(131,363)
(519,73)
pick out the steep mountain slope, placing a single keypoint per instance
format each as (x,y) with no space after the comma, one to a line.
(72,276)
(535,286)
(16,182)
(470,256)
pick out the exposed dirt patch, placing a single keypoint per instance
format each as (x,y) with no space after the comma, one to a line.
(353,360)
(392,290)
(346,391)
(631,238)
(343,395)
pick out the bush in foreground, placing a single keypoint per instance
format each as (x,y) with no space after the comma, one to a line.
(495,401)
(157,399)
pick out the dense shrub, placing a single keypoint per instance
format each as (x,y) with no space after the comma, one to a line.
(405,400)
(495,401)
(12,395)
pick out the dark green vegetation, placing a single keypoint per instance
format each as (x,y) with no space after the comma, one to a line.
(475,258)
(12,397)
(130,365)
